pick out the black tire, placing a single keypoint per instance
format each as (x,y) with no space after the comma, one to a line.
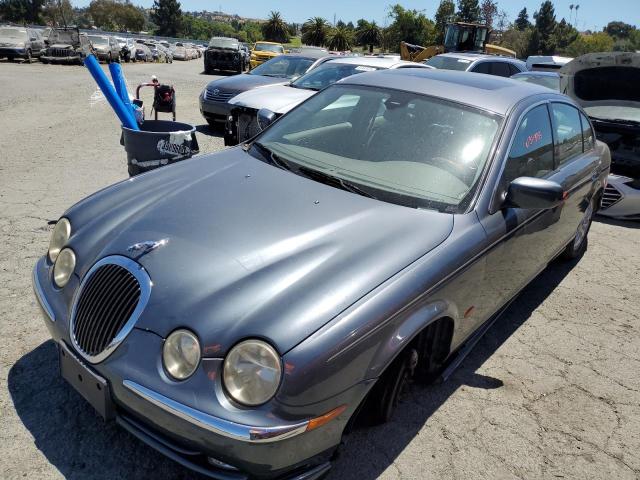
(578,245)
(10,59)
(109,58)
(385,395)
(133,170)
(44,60)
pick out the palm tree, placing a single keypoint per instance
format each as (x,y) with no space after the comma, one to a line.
(314,31)
(275,29)
(339,39)
(369,34)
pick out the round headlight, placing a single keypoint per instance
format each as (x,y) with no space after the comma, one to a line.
(64,266)
(181,354)
(59,238)
(252,372)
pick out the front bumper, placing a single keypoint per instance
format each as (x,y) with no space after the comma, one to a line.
(214,111)
(621,198)
(12,52)
(71,59)
(259,443)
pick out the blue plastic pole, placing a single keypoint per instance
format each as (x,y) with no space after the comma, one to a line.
(119,83)
(124,114)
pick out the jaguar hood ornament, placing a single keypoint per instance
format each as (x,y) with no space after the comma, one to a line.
(140,249)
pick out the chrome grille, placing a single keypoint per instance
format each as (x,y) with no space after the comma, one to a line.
(610,196)
(218,96)
(247,125)
(110,299)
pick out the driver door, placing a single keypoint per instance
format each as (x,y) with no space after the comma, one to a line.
(522,241)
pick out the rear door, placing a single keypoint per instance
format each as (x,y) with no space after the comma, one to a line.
(578,165)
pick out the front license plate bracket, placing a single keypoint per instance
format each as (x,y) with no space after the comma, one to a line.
(91,386)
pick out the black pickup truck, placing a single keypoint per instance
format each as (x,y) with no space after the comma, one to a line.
(224,54)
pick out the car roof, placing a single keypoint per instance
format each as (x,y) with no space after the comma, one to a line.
(471,56)
(537,73)
(270,43)
(489,92)
(384,62)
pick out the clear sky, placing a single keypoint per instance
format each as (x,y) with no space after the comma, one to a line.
(593,14)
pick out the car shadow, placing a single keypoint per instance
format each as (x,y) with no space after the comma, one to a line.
(617,223)
(79,443)
(70,434)
(222,73)
(205,129)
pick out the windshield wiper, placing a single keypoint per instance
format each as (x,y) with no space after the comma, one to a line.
(329,179)
(270,156)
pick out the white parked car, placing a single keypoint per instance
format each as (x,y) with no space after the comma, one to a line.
(279,99)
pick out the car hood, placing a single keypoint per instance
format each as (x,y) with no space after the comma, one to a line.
(63,45)
(251,250)
(277,98)
(599,81)
(244,82)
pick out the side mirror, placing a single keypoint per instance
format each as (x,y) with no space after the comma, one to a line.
(265,118)
(534,193)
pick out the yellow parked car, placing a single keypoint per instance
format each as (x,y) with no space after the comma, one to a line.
(263,51)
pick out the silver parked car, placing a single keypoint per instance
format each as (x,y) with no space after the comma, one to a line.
(20,42)
(279,99)
(106,48)
(478,63)
(238,311)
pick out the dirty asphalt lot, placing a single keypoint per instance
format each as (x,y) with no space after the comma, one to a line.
(553,391)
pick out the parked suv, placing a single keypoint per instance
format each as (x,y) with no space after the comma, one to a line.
(106,48)
(478,63)
(66,45)
(20,42)
(224,54)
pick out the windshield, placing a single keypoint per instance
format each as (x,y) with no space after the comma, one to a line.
(69,36)
(96,40)
(448,63)
(224,43)
(13,33)
(283,67)
(400,147)
(267,47)
(544,81)
(329,73)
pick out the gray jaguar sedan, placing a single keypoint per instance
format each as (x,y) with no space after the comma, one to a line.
(239,311)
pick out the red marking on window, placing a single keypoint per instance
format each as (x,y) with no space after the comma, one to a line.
(533,139)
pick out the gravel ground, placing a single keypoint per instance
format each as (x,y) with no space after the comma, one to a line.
(552,391)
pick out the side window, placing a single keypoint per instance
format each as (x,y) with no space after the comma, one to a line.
(531,153)
(481,68)
(501,69)
(513,69)
(568,131)
(587,134)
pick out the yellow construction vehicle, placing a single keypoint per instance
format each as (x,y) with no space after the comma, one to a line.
(459,37)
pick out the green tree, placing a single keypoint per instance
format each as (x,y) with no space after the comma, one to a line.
(597,42)
(518,41)
(522,21)
(339,39)
(564,35)
(315,31)
(619,30)
(488,11)
(116,15)
(167,15)
(542,39)
(468,11)
(410,26)
(58,13)
(369,34)
(445,14)
(275,29)
(21,11)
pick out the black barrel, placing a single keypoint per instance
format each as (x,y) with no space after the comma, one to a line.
(158,143)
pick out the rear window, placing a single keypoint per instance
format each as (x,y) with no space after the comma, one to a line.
(448,63)
(608,83)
